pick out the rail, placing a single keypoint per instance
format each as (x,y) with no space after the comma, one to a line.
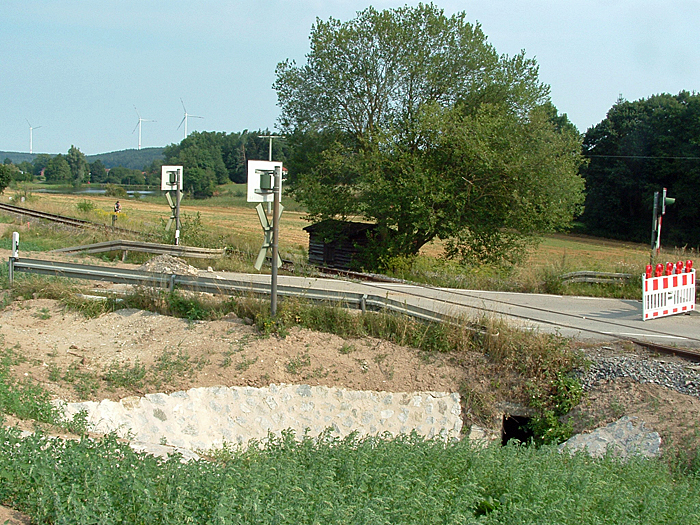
(215,285)
(68,221)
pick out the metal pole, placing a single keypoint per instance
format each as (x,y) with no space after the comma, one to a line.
(177,210)
(654,226)
(275,240)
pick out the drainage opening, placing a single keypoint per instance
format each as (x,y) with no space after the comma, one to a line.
(516,427)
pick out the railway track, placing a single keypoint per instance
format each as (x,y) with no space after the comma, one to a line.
(60,219)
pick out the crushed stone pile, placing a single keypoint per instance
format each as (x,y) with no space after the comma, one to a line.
(168,264)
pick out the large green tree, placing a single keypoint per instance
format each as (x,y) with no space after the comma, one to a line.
(7,173)
(57,170)
(638,149)
(79,167)
(410,119)
(98,173)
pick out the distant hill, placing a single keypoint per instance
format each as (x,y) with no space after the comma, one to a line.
(135,159)
(16,157)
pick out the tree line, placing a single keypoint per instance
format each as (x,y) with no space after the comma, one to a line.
(209,159)
(640,148)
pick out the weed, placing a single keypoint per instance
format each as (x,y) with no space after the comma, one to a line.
(126,375)
(320,372)
(295,365)
(85,206)
(364,365)
(245,363)
(549,425)
(28,400)
(43,314)
(54,373)
(346,349)
(84,382)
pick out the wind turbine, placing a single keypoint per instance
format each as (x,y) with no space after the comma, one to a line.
(31,129)
(184,119)
(138,125)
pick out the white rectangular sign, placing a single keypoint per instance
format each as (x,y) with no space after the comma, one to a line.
(255,194)
(168,176)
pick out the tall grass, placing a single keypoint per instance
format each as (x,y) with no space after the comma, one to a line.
(405,480)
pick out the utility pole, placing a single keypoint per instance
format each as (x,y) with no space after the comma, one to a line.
(270,137)
(275,239)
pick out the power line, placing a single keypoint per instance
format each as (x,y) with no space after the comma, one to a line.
(640,157)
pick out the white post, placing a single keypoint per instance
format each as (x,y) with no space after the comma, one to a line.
(15,245)
(13,258)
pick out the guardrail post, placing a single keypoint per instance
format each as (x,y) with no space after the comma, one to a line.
(171,283)
(363,303)
(14,256)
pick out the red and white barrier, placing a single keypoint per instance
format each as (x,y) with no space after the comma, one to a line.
(670,290)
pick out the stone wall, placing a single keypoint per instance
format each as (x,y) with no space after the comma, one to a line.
(203,418)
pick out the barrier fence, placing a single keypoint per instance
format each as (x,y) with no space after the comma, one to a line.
(668,290)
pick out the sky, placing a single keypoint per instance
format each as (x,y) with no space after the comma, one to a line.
(82,72)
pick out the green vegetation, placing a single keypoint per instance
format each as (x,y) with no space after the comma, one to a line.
(406,480)
(640,148)
(28,400)
(395,119)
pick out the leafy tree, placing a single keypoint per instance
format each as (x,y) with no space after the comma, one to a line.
(410,119)
(78,165)
(638,149)
(25,173)
(7,172)
(239,148)
(98,173)
(58,170)
(121,175)
(40,162)
(199,150)
(199,182)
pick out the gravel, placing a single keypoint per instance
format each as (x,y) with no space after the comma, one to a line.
(681,376)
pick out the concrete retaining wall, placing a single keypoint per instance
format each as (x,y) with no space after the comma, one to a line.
(203,418)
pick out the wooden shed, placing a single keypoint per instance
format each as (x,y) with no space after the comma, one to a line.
(335,244)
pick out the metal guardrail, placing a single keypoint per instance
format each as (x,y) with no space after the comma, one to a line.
(595,277)
(126,245)
(215,285)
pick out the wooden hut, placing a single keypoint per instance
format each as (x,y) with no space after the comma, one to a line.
(335,244)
